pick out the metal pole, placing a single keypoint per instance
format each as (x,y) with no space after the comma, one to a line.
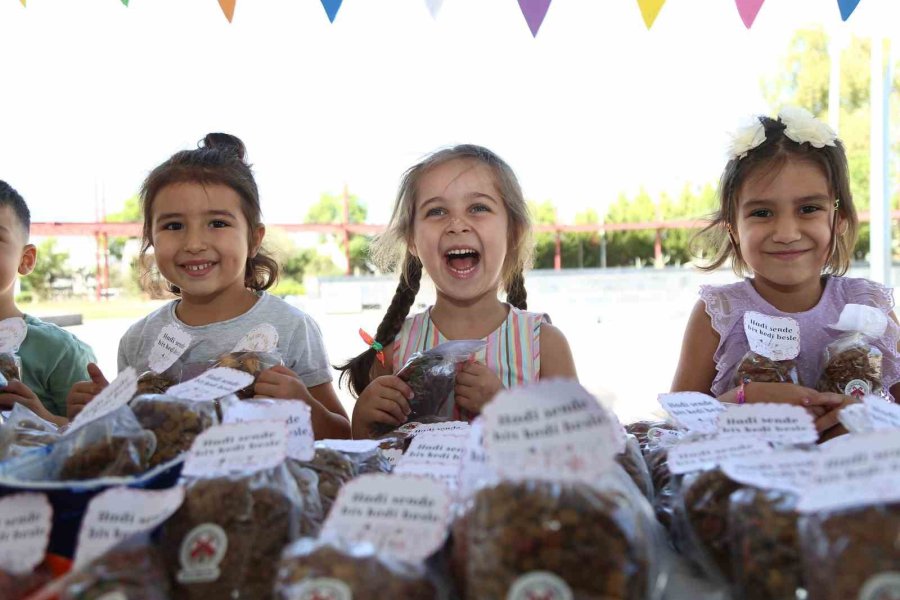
(880,238)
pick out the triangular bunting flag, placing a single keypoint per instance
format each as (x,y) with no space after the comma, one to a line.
(748,10)
(331,8)
(23,2)
(434,7)
(228,8)
(534,11)
(649,10)
(125,2)
(847,7)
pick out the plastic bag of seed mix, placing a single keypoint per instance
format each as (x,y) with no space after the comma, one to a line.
(432,376)
(327,569)
(774,345)
(334,469)
(23,431)
(852,363)
(176,423)
(226,539)
(250,362)
(758,368)
(764,545)
(565,539)
(632,460)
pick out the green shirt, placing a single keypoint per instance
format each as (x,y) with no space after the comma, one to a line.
(52,361)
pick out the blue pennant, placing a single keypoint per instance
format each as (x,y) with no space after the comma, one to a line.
(331,8)
(847,7)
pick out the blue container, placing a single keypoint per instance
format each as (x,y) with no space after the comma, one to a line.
(70,499)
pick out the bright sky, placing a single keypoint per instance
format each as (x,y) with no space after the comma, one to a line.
(94,94)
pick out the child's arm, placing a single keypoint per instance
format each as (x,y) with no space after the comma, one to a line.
(328,417)
(556,356)
(696,371)
(84,391)
(385,399)
(16,392)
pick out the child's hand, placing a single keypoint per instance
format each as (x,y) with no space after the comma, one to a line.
(17,392)
(816,403)
(476,385)
(385,400)
(280,382)
(828,424)
(84,391)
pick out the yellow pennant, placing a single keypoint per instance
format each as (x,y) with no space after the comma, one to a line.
(228,8)
(23,2)
(649,10)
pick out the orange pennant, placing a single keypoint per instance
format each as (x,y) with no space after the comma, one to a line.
(649,10)
(228,8)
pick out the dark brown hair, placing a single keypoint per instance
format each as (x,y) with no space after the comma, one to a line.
(769,157)
(391,249)
(219,159)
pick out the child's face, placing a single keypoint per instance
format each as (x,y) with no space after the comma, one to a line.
(784,223)
(200,239)
(16,254)
(460,229)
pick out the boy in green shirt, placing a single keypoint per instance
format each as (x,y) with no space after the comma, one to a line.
(52,359)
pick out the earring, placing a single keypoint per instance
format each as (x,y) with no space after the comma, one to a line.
(837,202)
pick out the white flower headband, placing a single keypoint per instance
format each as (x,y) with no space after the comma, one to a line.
(799,125)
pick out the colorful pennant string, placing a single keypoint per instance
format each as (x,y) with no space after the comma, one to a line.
(847,7)
(649,10)
(434,7)
(748,9)
(331,8)
(228,8)
(534,11)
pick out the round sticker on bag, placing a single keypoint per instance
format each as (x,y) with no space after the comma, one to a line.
(201,552)
(884,586)
(541,585)
(320,588)
(857,388)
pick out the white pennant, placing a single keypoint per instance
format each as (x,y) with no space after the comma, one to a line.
(434,7)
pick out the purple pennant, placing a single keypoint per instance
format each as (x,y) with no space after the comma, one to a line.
(847,7)
(534,11)
(331,8)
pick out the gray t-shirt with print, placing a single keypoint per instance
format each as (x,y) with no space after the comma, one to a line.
(299,338)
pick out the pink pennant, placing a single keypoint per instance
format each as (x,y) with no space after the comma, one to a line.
(748,10)
(534,11)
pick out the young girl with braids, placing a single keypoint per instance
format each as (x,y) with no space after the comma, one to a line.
(460,216)
(786,217)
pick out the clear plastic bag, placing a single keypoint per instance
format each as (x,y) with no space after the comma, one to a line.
(764,545)
(112,446)
(640,430)
(632,460)
(587,541)
(432,375)
(664,485)
(319,569)
(334,470)
(227,537)
(133,569)
(845,552)
(312,514)
(19,586)
(701,521)
(250,362)
(24,431)
(758,368)
(10,366)
(176,423)
(853,367)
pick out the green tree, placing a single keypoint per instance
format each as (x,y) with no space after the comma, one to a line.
(625,248)
(330,209)
(50,266)
(130,213)
(543,213)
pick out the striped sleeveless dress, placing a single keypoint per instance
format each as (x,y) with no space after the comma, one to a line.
(513,350)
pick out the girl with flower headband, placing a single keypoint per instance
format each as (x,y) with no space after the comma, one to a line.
(786,217)
(460,216)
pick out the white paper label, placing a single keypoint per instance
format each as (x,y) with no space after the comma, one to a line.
(392,455)
(12,333)
(405,517)
(550,427)
(414,428)
(435,455)
(776,338)
(884,415)
(237,448)
(865,469)
(778,423)
(657,437)
(296,414)
(262,338)
(202,551)
(114,396)
(212,384)
(855,418)
(119,513)
(351,446)
(171,343)
(708,454)
(787,470)
(539,585)
(692,410)
(319,588)
(26,520)
(475,468)
(884,586)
